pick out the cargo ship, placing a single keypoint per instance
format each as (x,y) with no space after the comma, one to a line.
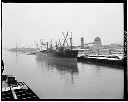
(60,50)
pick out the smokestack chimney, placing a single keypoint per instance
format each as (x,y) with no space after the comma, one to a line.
(82,42)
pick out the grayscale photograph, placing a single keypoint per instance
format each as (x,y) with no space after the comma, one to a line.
(62,51)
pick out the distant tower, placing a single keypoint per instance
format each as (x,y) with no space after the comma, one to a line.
(97,45)
(82,43)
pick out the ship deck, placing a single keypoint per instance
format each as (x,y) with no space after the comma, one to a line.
(18,91)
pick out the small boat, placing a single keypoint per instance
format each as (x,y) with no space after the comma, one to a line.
(13,90)
(31,53)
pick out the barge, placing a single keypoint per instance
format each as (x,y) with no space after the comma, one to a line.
(113,61)
(13,90)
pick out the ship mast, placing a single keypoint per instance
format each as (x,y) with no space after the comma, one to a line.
(56,46)
(65,38)
(71,40)
(51,45)
(47,45)
(41,44)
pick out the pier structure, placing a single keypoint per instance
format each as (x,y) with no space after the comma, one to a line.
(96,47)
(96,53)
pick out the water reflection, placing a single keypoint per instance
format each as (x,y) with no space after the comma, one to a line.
(60,65)
(57,79)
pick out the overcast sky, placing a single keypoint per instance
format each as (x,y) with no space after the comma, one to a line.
(23,23)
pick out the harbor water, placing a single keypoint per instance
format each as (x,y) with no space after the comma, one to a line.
(56,79)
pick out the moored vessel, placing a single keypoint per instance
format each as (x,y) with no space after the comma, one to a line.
(60,50)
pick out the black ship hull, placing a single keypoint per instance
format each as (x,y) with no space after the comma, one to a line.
(61,54)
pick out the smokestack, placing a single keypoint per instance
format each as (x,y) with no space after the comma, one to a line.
(82,42)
